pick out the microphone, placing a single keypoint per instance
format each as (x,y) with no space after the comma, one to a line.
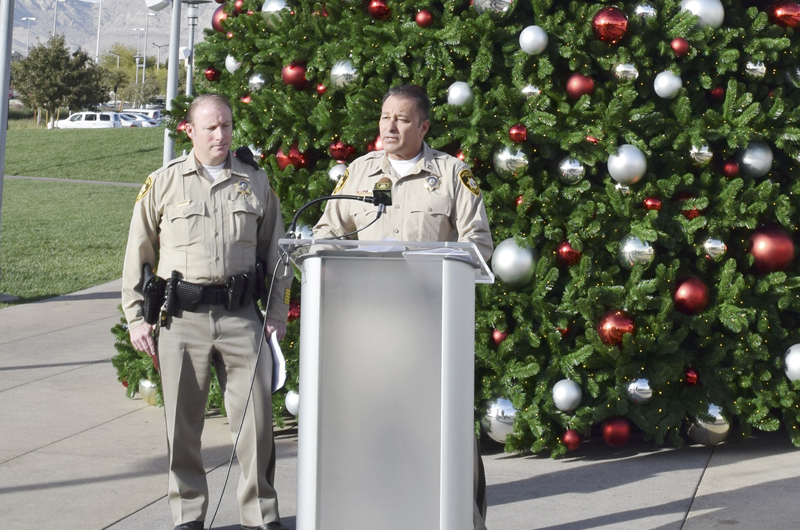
(382,195)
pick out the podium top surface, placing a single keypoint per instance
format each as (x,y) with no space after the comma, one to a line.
(300,249)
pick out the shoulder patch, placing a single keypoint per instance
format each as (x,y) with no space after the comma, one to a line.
(145,188)
(342,182)
(469,181)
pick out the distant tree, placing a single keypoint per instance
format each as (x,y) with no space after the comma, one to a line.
(51,77)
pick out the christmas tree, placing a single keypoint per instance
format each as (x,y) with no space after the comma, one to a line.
(637,161)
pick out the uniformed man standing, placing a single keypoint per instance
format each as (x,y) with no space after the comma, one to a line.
(204,219)
(434,198)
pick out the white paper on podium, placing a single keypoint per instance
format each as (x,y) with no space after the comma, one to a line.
(278,364)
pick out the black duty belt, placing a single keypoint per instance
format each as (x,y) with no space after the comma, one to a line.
(191,295)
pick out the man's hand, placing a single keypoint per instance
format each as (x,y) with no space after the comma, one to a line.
(142,340)
(277,326)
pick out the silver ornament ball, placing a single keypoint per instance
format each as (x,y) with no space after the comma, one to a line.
(567,395)
(626,73)
(571,170)
(792,76)
(513,264)
(459,93)
(508,162)
(335,173)
(791,362)
(645,11)
(755,160)
(533,40)
(627,165)
(272,10)
(500,418)
(701,154)
(639,391)
(529,91)
(710,432)
(495,7)
(710,12)
(256,82)
(755,71)
(231,64)
(292,402)
(343,76)
(149,392)
(667,85)
(714,248)
(633,251)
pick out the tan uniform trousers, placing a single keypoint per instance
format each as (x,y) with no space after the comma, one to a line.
(187,349)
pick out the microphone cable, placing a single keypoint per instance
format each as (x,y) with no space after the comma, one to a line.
(249,394)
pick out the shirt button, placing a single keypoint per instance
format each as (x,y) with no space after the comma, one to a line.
(216,259)
(396,231)
(216,210)
(216,234)
(430,209)
(397,206)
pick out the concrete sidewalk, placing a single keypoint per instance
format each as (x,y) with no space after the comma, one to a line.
(76,453)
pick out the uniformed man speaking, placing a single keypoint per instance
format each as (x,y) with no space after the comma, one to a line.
(434,198)
(202,222)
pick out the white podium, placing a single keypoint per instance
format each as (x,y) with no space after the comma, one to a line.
(387,350)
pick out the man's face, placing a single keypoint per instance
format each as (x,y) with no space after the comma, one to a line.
(402,128)
(211,133)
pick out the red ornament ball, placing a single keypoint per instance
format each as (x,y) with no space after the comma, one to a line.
(238,7)
(718,93)
(294,311)
(520,200)
(424,18)
(652,203)
(680,46)
(246,99)
(571,439)
(578,85)
(211,73)
(125,383)
(730,168)
(785,13)
(499,336)
(691,376)
(609,25)
(689,213)
(613,326)
(772,248)
(321,89)
(294,158)
(518,133)
(218,18)
(568,255)
(379,10)
(376,144)
(691,296)
(181,126)
(616,431)
(294,74)
(341,151)
(592,140)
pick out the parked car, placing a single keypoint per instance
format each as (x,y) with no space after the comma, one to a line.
(143,120)
(129,120)
(90,120)
(153,114)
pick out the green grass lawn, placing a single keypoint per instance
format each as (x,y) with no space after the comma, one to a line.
(60,237)
(114,155)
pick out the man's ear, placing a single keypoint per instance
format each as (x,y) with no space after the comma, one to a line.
(189,130)
(425,126)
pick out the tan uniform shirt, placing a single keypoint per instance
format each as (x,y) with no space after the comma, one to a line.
(206,231)
(438,200)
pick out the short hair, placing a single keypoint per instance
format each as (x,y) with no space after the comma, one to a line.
(217,99)
(415,93)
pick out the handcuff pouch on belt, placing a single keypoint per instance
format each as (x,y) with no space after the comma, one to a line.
(152,293)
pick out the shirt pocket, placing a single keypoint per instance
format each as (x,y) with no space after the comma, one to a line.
(186,223)
(243,221)
(431,219)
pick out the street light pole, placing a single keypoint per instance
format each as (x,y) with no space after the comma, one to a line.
(144,52)
(158,61)
(6,29)
(172,75)
(191,18)
(55,14)
(28,38)
(97,51)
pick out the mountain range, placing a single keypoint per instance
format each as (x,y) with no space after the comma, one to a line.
(77,21)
